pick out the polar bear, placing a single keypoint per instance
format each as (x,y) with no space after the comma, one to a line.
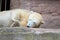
(35,20)
(14,17)
(27,18)
(21,18)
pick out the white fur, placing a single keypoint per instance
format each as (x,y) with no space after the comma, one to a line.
(5,18)
(35,20)
(9,18)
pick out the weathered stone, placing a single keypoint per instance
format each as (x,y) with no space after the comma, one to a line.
(29,34)
(15,34)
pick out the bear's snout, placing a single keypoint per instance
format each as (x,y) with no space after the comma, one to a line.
(28,26)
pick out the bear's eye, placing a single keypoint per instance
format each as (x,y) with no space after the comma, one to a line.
(35,23)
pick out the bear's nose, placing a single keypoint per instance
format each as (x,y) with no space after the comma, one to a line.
(27,26)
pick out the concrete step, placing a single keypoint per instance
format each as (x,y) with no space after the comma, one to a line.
(17,33)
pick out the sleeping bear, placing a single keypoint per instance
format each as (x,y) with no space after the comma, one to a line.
(35,20)
(20,18)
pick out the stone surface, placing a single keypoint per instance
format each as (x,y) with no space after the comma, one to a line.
(50,10)
(15,34)
(29,34)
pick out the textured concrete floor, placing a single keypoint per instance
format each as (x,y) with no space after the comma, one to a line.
(29,34)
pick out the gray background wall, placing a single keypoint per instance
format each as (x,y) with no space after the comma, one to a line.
(49,9)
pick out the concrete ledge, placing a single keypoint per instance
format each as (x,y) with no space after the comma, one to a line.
(29,34)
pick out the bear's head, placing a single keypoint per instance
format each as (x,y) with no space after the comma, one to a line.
(34,23)
(35,20)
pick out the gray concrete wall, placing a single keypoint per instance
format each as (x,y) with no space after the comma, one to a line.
(50,10)
(29,34)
